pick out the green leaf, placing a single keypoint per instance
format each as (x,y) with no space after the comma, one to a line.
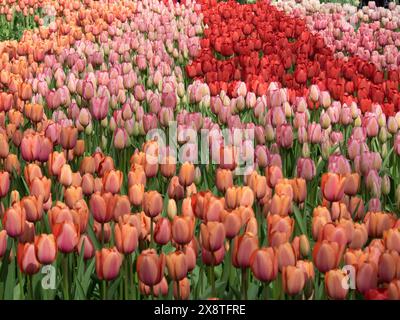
(10,282)
(300,220)
(113,288)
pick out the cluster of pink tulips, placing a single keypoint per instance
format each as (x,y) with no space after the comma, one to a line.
(121,177)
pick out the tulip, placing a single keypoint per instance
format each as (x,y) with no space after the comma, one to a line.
(68,137)
(27,260)
(46,248)
(112,181)
(327,255)
(67,236)
(186,174)
(3,243)
(150,267)
(14,221)
(86,244)
(126,238)
(176,265)
(108,263)
(182,229)
(152,203)
(293,280)
(212,235)
(162,231)
(367,277)
(183,292)
(4,183)
(243,248)
(264,264)
(334,280)
(332,186)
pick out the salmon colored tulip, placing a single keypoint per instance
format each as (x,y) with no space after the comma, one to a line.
(176,265)
(332,186)
(67,236)
(334,280)
(184,289)
(126,238)
(108,263)
(212,235)
(152,203)
(46,248)
(186,174)
(162,231)
(150,267)
(327,255)
(182,229)
(26,258)
(264,264)
(242,250)
(112,181)
(14,220)
(293,280)
(86,244)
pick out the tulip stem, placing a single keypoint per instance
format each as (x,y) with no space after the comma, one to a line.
(102,235)
(151,234)
(126,278)
(104,287)
(30,287)
(212,279)
(244,283)
(266,285)
(65,276)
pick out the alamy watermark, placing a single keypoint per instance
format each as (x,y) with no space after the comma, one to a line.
(230,148)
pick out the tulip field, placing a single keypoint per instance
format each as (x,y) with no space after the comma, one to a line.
(199,149)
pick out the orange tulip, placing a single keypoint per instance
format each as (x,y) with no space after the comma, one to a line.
(162,231)
(88,165)
(150,267)
(182,229)
(264,264)
(33,207)
(184,289)
(232,224)
(136,194)
(112,181)
(366,276)
(223,179)
(14,220)
(68,137)
(46,248)
(186,174)
(108,263)
(327,255)
(332,186)
(4,183)
(3,242)
(126,237)
(243,247)
(56,162)
(86,244)
(176,265)
(378,222)
(392,239)
(212,235)
(334,280)
(67,236)
(26,258)
(293,280)
(152,203)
